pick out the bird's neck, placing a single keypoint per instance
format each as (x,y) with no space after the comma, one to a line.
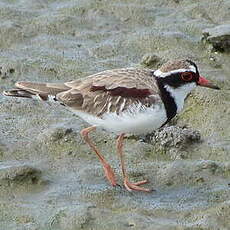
(180,93)
(168,100)
(173,98)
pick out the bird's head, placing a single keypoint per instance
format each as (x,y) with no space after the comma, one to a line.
(178,78)
(182,74)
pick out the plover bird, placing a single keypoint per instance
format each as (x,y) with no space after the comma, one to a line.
(122,101)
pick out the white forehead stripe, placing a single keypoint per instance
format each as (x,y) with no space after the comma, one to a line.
(159,73)
(192,68)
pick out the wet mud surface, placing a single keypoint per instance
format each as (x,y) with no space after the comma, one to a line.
(49,179)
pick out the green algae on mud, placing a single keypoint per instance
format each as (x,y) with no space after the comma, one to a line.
(208,112)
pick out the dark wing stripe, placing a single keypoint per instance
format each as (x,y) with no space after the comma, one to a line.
(123,91)
(132,92)
(18,93)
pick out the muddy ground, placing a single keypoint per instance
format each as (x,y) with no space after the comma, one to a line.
(50,180)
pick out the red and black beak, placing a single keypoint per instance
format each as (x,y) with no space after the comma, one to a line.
(206,83)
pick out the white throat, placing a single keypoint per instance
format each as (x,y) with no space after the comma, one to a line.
(179,94)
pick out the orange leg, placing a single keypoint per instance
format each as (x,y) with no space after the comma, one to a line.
(107,168)
(128,185)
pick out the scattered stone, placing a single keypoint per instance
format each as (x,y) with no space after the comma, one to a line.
(215,62)
(61,133)
(173,140)
(6,71)
(176,137)
(151,60)
(219,37)
(18,173)
(57,133)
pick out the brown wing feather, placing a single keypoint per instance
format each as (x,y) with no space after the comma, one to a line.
(30,89)
(114,91)
(42,88)
(111,79)
(108,91)
(72,98)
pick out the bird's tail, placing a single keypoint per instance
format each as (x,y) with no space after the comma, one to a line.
(42,91)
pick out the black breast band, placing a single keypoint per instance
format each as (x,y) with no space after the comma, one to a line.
(168,100)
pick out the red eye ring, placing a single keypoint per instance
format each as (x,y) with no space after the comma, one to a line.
(186,76)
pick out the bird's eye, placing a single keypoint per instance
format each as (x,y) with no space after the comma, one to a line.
(186,76)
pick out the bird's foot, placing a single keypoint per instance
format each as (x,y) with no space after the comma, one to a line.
(110,174)
(136,186)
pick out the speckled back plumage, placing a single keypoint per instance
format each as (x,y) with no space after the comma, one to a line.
(100,92)
(174,65)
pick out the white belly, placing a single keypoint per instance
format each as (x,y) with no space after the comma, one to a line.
(137,120)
